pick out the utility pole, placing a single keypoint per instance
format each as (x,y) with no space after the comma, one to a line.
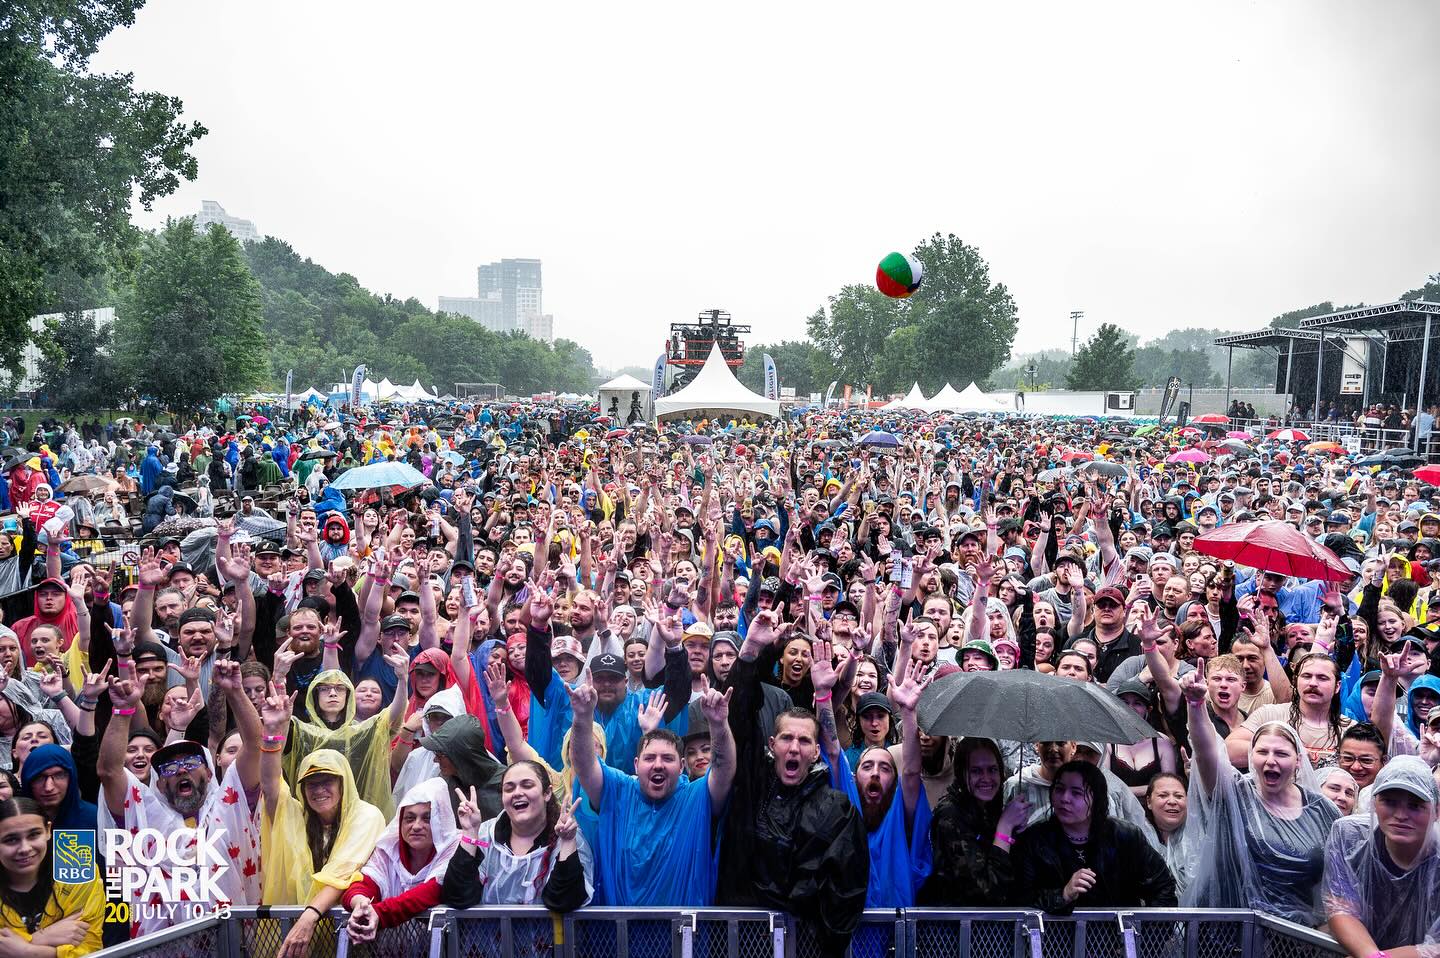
(1075,316)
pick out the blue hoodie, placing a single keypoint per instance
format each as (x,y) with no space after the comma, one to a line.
(1423,682)
(1353,707)
(150,470)
(73,811)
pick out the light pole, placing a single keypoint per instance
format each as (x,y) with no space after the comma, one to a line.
(1031,370)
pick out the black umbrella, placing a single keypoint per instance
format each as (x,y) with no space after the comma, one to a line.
(1099,467)
(470,445)
(319,454)
(1024,706)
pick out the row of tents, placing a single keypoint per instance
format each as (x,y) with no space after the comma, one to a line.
(948,399)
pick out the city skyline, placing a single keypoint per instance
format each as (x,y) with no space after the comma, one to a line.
(1213,182)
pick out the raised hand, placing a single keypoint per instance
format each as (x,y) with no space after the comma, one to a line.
(224,675)
(906,692)
(277,708)
(582,700)
(123,640)
(497,682)
(285,659)
(152,573)
(1193,686)
(183,713)
(399,662)
(79,580)
(188,668)
(822,667)
(713,705)
(467,814)
(96,683)
(126,693)
(52,683)
(1152,629)
(542,607)
(565,826)
(652,712)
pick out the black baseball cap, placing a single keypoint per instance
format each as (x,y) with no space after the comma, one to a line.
(395,622)
(607,664)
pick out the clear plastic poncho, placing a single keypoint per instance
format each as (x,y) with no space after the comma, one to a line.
(1398,907)
(366,745)
(1253,858)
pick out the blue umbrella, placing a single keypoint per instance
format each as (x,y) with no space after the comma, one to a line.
(695,439)
(879,440)
(381,474)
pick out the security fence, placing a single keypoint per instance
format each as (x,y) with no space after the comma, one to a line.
(529,932)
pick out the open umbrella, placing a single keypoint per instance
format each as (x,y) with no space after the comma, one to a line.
(1239,434)
(379,475)
(84,485)
(1333,447)
(312,454)
(1113,470)
(470,445)
(1273,546)
(1430,474)
(1393,459)
(696,439)
(1234,445)
(1212,417)
(1189,455)
(1290,435)
(1147,429)
(1077,456)
(1052,475)
(1019,705)
(879,440)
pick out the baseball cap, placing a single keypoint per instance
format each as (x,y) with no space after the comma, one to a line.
(833,581)
(607,664)
(395,622)
(873,700)
(180,567)
(174,750)
(1135,687)
(267,548)
(698,628)
(770,584)
(1338,518)
(567,645)
(1143,553)
(1110,594)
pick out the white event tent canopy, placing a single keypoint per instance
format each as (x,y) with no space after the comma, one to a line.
(914,399)
(970,400)
(617,395)
(715,393)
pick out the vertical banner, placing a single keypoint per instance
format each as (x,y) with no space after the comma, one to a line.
(657,378)
(772,379)
(357,382)
(1172,393)
(289,387)
(830,393)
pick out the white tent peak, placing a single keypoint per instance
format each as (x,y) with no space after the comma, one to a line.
(626,381)
(914,399)
(715,393)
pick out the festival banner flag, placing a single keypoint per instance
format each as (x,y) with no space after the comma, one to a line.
(657,379)
(357,382)
(772,379)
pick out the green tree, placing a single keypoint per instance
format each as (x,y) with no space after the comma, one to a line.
(192,326)
(852,331)
(77,372)
(966,322)
(895,368)
(1155,365)
(799,364)
(1105,361)
(1430,292)
(75,148)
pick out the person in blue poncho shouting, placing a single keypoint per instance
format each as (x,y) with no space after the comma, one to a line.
(655,826)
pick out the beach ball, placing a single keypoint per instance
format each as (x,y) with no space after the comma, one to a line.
(899,275)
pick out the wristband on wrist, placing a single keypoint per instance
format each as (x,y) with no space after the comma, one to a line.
(123,712)
(314,909)
(143,587)
(272,739)
(331,645)
(1002,837)
(824,697)
(474,842)
(272,751)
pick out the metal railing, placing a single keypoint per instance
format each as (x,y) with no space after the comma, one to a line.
(532,932)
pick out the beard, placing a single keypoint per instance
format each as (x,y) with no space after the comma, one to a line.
(153,695)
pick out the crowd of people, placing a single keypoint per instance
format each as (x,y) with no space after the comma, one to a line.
(684,666)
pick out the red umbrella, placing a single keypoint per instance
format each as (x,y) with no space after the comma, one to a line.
(1214,417)
(1290,435)
(1273,546)
(1430,474)
(1081,456)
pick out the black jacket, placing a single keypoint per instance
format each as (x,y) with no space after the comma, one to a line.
(800,849)
(968,869)
(1129,873)
(564,885)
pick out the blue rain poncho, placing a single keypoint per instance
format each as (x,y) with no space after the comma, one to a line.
(899,863)
(655,853)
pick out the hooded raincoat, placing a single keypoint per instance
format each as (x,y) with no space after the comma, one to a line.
(365,745)
(289,876)
(74,812)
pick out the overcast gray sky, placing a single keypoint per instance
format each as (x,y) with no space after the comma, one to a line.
(1158,165)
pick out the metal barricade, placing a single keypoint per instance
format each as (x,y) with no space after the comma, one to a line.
(533,932)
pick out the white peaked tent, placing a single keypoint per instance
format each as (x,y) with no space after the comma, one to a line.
(970,400)
(914,399)
(619,395)
(715,393)
(416,392)
(943,401)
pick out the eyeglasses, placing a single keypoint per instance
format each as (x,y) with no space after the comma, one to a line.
(180,766)
(1358,761)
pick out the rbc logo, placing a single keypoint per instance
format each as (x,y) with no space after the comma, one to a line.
(74,856)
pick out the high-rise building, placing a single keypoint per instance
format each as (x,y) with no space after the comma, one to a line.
(509,299)
(518,283)
(213,212)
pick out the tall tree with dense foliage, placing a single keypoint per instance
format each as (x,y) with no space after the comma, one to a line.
(1105,361)
(75,148)
(852,330)
(77,372)
(965,321)
(191,327)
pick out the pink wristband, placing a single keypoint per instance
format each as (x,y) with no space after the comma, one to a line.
(123,712)
(274,739)
(1002,837)
(467,840)
(145,588)
(824,698)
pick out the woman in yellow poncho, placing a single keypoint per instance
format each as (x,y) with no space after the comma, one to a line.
(314,841)
(365,745)
(64,919)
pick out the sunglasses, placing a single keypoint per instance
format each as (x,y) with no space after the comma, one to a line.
(179,766)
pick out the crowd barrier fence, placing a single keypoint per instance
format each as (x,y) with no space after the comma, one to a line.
(532,932)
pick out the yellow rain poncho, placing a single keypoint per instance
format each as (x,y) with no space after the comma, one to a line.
(289,874)
(365,745)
